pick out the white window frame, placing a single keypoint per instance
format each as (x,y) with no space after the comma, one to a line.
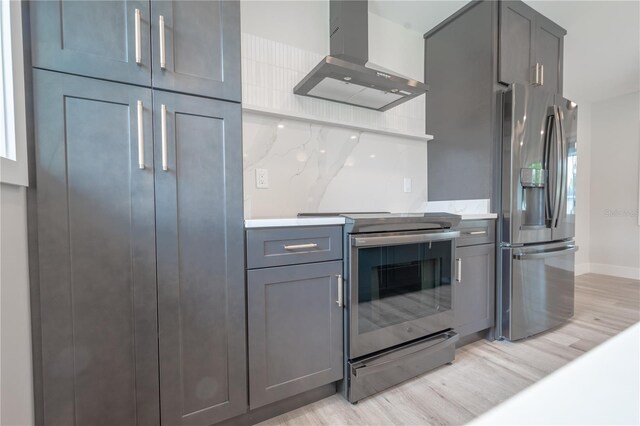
(13,170)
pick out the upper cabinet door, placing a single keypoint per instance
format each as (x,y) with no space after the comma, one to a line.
(102,39)
(196,47)
(96,252)
(531,47)
(517,34)
(200,252)
(549,52)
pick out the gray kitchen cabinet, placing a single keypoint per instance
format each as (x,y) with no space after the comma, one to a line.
(196,47)
(294,245)
(531,47)
(140,267)
(96,253)
(517,33)
(469,58)
(474,289)
(295,330)
(550,53)
(181,46)
(459,64)
(295,323)
(138,271)
(103,39)
(200,255)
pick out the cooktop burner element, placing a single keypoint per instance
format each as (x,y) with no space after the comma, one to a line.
(389,222)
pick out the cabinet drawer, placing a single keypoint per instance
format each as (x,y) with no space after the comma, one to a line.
(474,232)
(289,246)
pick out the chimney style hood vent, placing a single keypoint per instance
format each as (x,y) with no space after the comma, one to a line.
(345,75)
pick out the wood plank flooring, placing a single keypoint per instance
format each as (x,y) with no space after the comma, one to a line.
(484,373)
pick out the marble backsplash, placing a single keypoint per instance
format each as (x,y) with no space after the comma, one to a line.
(321,168)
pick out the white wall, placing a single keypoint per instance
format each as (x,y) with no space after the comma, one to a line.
(282,41)
(302,24)
(615,154)
(305,24)
(16,381)
(583,180)
(394,47)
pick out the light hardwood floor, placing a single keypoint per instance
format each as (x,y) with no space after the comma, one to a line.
(486,373)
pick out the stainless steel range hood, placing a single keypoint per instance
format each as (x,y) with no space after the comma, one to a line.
(345,75)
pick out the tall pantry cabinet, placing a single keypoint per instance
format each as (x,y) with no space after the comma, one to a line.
(139,268)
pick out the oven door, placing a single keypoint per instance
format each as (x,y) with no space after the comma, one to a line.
(400,288)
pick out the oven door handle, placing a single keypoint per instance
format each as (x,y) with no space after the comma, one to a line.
(394,240)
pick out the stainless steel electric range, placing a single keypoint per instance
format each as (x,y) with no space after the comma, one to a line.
(398,273)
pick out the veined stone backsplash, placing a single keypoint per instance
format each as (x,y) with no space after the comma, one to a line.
(319,168)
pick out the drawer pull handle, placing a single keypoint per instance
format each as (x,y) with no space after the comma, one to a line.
(476,233)
(301,246)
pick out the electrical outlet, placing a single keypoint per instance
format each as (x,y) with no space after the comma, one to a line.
(262,178)
(407,184)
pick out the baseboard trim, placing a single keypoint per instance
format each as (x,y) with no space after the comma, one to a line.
(604,269)
(582,268)
(261,414)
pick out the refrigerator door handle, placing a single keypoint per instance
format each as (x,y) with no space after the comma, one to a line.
(550,196)
(564,162)
(558,168)
(543,254)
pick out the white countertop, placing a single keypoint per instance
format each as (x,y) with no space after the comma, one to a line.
(319,221)
(478,216)
(602,387)
(293,221)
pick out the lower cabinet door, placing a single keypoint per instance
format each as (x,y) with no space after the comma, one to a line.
(200,254)
(474,290)
(295,330)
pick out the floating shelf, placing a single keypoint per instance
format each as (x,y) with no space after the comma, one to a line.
(312,119)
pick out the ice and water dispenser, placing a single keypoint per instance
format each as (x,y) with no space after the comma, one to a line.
(533,181)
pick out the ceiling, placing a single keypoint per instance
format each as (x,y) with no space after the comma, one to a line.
(602,46)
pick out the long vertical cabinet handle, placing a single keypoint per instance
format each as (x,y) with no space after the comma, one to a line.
(537,76)
(163,125)
(140,135)
(137,38)
(340,300)
(163,48)
(541,74)
(459,270)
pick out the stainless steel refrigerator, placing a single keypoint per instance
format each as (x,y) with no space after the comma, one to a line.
(536,287)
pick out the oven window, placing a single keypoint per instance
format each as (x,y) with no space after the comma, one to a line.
(402,283)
